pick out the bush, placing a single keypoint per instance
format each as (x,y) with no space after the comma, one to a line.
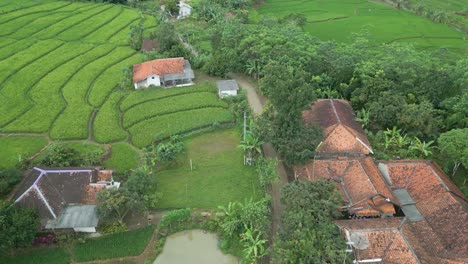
(8,179)
(173,217)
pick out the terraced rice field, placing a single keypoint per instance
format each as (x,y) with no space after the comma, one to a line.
(60,65)
(339,19)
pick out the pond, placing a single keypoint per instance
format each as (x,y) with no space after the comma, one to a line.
(193,246)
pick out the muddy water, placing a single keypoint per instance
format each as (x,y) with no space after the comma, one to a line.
(195,247)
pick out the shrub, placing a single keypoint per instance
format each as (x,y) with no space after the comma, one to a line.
(175,217)
(8,179)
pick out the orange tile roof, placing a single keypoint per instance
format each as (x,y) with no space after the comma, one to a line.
(341,132)
(382,238)
(159,67)
(359,181)
(104,175)
(438,200)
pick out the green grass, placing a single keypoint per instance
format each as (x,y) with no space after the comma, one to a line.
(130,243)
(15,148)
(123,158)
(338,20)
(218,175)
(49,256)
(82,147)
(145,132)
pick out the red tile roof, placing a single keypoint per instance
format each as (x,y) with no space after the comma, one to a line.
(382,239)
(341,132)
(438,200)
(90,193)
(359,181)
(159,67)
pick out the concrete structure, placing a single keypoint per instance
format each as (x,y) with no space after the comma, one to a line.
(185,10)
(227,88)
(163,72)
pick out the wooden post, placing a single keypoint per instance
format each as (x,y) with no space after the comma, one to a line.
(191,166)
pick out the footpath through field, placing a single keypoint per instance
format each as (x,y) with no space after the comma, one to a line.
(257,102)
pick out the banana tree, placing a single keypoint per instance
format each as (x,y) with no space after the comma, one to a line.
(253,244)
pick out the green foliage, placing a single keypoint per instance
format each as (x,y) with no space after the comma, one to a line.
(8,179)
(113,228)
(115,204)
(309,234)
(266,170)
(45,255)
(251,145)
(18,226)
(123,158)
(68,155)
(17,149)
(142,184)
(123,244)
(454,145)
(107,119)
(167,152)
(135,36)
(175,217)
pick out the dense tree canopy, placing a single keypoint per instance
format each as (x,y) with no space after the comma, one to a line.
(18,226)
(308,233)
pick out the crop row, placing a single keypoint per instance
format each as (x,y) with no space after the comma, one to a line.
(14,6)
(21,21)
(122,36)
(48,101)
(14,63)
(108,80)
(121,22)
(164,126)
(106,125)
(16,47)
(39,24)
(14,101)
(170,105)
(89,25)
(65,24)
(32,10)
(145,95)
(73,122)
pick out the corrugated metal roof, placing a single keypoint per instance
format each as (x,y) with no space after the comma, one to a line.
(227,85)
(75,216)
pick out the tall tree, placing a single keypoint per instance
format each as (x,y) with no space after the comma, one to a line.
(454,144)
(309,234)
(18,226)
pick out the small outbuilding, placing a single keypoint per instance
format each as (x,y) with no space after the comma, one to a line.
(227,88)
(184,10)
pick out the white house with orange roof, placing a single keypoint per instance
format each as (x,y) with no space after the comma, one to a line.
(163,72)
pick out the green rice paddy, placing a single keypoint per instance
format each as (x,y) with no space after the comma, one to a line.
(60,66)
(339,19)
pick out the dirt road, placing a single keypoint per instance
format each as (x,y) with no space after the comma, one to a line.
(256,103)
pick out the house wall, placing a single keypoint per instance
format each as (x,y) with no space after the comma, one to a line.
(152,79)
(227,93)
(184,10)
(85,229)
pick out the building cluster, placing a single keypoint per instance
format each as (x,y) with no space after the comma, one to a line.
(401,211)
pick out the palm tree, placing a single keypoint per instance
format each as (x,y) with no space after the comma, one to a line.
(422,148)
(253,244)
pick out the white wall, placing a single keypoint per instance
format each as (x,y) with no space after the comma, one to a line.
(153,79)
(227,93)
(85,229)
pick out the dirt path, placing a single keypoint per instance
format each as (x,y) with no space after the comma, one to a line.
(257,102)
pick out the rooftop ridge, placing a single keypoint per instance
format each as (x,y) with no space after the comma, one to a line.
(335,112)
